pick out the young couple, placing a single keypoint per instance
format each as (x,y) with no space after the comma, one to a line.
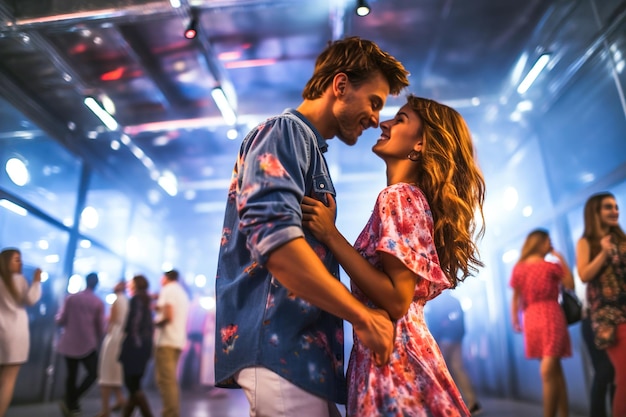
(280,304)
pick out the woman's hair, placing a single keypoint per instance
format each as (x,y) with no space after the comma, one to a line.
(593,232)
(454,186)
(5,272)
(359,59)
(533,242)
(141,287)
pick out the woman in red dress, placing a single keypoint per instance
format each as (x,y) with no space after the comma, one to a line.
(536,283)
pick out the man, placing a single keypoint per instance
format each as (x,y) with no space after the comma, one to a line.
(280,304)
(171,336)
(82,319)
(446,322)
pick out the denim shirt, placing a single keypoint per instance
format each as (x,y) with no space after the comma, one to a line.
(258,321)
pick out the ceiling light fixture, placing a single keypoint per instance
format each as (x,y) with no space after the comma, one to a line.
(534,72)
(228,113)
(192,29)
(102,114)
(362,8)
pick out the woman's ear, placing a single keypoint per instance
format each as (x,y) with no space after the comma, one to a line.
(419,144)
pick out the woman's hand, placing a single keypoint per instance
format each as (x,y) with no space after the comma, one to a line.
(318,218)
(37,275)
(607,245)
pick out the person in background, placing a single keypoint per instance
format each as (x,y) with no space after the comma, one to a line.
(446,321)
(418,241)
(601,263)
(15,295)
(171,336)
(536,284)
(137,345)
(278,289)
(109,368)
(602,382)
(82,320)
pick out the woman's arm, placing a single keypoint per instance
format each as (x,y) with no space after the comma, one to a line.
(567,279)
(113,316)
(588,268)
(33,293)
(391,289)
(515,310)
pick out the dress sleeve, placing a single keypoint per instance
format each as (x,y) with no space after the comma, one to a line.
(33,294)
(407,231)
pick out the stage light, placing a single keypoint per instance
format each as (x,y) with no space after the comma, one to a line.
(362,8)
(532,75)
(108,120)
(191,32)
(228,113)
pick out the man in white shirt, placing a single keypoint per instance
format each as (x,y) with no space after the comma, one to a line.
(171,335)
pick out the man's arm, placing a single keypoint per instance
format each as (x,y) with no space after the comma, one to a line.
(167,313)
(299,269)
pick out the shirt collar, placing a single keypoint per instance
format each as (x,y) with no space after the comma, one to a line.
(321,142)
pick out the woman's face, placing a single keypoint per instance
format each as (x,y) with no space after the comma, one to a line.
(15,264)
(609,212)
(399,135)
(131,287)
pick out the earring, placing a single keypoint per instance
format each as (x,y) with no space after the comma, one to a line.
(414,156)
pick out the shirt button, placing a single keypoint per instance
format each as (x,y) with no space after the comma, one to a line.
(321,185)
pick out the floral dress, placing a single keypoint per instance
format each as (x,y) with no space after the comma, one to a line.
(416,381)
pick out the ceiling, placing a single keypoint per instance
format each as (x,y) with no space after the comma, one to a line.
(132,53)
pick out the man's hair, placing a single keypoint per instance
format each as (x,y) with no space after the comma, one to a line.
(360,60)
(92,280)
(172,275)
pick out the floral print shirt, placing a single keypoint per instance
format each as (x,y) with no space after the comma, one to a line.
(258,321)
(416,381)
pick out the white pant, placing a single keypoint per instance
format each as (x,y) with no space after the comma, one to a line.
(271,395)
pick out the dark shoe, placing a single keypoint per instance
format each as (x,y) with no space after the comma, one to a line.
(476,409)
(64,410)
(67,411)
(117,407)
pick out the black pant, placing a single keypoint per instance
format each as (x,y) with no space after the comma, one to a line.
(603,375)
(73,392)
(132,382)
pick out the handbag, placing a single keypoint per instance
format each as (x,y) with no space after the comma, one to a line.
(572,307)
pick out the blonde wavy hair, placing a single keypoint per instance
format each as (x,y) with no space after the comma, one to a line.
(453,183)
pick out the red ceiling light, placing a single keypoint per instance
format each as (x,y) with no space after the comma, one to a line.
(191,32)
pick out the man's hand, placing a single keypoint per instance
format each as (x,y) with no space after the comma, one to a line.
(378,335)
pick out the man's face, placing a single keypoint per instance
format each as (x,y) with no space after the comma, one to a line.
(358,108)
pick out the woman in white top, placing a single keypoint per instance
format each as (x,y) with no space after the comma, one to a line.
(110,369)
(15,296)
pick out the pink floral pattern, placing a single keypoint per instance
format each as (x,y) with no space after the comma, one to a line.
(416,381)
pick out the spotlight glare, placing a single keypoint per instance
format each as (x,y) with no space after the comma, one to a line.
(362,8)
(190,33)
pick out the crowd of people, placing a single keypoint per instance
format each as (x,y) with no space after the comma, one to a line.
(280,304)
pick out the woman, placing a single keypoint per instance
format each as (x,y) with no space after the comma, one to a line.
(536,285)
(110,369)
(137,345)
(417,243)
(601,262)
(15,295)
